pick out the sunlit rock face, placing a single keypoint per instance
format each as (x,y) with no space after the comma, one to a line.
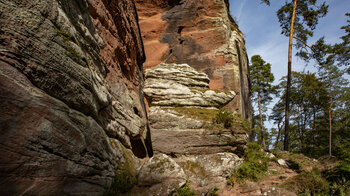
(71,100)
(201,34)
(73,114)
(195,64)
(182,109)
(181,85)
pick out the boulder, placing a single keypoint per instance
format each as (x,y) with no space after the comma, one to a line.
(208,171)
(282,162)
(162,174)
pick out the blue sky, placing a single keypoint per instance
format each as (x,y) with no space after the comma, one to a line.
(262,32)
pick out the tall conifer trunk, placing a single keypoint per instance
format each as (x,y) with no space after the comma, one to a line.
(263,144)
(289,77)
(330,125)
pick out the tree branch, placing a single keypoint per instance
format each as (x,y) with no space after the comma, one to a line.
(303,42)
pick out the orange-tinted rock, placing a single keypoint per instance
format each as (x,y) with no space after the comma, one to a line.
(201,34)
(70,72)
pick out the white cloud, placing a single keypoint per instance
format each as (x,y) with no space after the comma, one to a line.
(239,13)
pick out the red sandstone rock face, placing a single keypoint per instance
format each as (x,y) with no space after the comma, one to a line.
(201,34)
(70,72)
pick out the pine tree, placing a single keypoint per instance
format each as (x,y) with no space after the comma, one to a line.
(308,101)
(329,58)
(297,19)
(342,50)
(262,88)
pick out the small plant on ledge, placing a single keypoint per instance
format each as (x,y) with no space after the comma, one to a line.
(225,117)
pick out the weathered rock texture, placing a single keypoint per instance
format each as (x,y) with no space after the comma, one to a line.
(70,74)
(182,110)
(162,174)
(208,171)
(201,34)
(181,85)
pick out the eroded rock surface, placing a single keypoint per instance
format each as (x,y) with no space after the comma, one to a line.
(208,171)
(181,85)
(182,119)
(70,78)
(201,34)
(182,110)
(162,175)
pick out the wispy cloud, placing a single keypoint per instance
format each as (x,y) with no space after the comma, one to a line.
(240,9)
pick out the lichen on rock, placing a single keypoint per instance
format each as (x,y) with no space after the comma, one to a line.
(181,85)
(162,174)
(70,72)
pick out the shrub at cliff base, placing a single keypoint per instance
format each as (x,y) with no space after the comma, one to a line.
(254,167)
(309,183)
(339,178)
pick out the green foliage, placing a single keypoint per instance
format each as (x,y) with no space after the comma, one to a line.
(185,191)
(214,191)
(309,104)
(339,178)
(298,19)
(255,164)
(262,89)
(308,12)
(309,182)
(332,54)
(261,79)
(225,117)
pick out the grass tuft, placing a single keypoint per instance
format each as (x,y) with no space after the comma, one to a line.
(185,191)
(254,167)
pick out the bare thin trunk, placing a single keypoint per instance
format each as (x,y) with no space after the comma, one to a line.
(303,130)
(252,135)
(330,125)
(299,126)
(279,131)
(314,131)
(261,124)
(289,77)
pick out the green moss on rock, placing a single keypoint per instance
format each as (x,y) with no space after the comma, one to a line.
(65,36)
(125,174)
(193,167)
(204,114)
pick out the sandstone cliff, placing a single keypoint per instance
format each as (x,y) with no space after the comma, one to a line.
(73,114)
(195,64)
(71,101)
(201,34)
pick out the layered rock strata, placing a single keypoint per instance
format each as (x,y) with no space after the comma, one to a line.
(182,110)
(181,85)
(201,34)
(71,102)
